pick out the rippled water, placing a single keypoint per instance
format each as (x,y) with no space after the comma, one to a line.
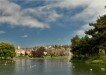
(48,67)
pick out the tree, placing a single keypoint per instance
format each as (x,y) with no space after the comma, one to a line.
(98,33)
(75,40)
(80,46)
(6,50)
(85,46)
(39,52)
(75,43)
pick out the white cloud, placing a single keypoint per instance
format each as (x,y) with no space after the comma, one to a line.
(90,14)
(13,14)
(24,36)
(46,12)
(93,10)
(81,31)
(54,16)
(73,3)
(86,27)
(2,32)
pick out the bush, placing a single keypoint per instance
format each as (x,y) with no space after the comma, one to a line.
(6,50)
(39,52)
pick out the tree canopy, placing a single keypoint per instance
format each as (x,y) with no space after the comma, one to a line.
(6,50)
(85,46)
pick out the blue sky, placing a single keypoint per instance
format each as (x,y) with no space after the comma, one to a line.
(46,22)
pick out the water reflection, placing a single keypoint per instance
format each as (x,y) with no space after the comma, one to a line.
(42,67)
(85,69)
(7,67)
(48,67)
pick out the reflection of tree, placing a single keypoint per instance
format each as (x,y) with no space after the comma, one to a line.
(40,70)
(23,67)
(84,69)
(7,67)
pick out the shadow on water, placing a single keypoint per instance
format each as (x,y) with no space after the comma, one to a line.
(89,69)
(48,67)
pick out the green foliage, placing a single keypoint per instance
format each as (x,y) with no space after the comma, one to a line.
(96,45)
(98,34)
(80,48)
(6,50)
(42,49)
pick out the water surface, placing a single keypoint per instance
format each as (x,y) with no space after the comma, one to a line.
(48,67)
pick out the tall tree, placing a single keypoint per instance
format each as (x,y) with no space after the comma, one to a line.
(85,46)
(98,34)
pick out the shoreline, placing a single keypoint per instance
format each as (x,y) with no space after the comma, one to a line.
(92,60)
(46,57)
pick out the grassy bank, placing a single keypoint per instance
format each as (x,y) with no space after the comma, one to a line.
(58,57)
(22,57)
(45,57)
(97,60)
(92,60)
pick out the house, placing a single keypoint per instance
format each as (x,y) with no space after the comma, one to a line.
(28,52)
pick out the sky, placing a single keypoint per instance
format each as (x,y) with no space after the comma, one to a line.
(29,23)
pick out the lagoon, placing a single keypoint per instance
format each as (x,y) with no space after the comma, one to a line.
(49,67)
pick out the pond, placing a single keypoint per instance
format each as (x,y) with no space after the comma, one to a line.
(48,67)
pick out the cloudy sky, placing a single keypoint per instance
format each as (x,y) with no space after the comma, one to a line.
(43,22)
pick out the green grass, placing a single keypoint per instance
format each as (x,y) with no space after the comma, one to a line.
(103,57)
(23,57)
(45,57)
(92,60)
(55,57)
(97,60)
